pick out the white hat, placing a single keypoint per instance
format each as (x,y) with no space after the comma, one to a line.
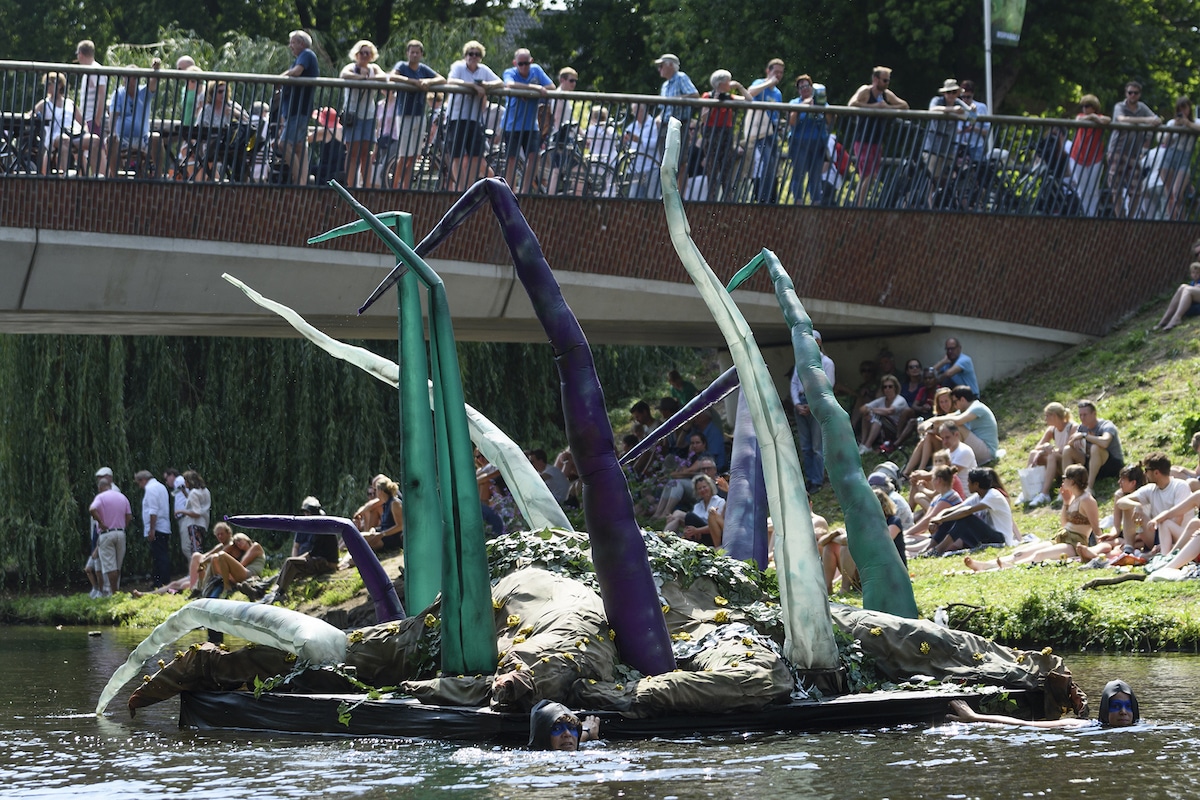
(179,482)
(104,472)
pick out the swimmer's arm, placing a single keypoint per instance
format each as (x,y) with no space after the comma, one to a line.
(961,712)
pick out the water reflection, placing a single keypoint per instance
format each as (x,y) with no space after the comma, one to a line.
(51,745)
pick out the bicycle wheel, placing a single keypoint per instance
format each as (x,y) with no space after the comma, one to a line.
(600,181)
(430,173)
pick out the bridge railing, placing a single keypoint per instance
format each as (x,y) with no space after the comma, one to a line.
(87,122)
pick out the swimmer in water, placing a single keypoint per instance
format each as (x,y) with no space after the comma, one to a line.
(1118,709)
(553,726)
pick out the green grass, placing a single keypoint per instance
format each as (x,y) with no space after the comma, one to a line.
(79,609)
(1145,383)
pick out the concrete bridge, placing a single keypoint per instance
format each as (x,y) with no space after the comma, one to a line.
(126,257)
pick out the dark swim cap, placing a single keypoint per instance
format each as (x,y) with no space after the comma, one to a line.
(1111,688)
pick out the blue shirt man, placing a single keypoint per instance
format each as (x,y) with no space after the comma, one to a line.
(676,83)
(956,367)
(131,113)
(521,133)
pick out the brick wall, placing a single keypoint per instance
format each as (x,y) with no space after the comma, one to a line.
(1075,274)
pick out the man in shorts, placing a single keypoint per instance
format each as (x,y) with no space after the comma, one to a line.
(131,108)
(403,123)
(1096,444)
(296,105)
(112,513)
(522,133)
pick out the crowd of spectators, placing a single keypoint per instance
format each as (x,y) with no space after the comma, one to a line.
(536,137)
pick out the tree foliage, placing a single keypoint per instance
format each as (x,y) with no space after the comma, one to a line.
(1067,48)
(264,421)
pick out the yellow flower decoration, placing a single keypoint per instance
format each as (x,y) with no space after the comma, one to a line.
(666,608)
(569,656)
(619,687)
(518,639)
(876,631)
(355,637)
(731,663)
(747,641)
(749,654)
(1047,651)
(925,648)
(545,659)
(591,681)
(195,646)
(430,620)
(721,601)
(146,679)
(682,636)
(162,664)
(178,654)
(518,667)
(612,635)
(977,656)
(224,648)
(1020,658)
(393,629)
(513,620)
(497,605)
(528,629)
(721,616)
(500,656)
(290,658)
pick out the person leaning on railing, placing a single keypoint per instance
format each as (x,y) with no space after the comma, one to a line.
(358,112)
(1087,154)
(402,117)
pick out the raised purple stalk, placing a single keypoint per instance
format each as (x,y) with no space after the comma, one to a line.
(745,536)
(714,393)
(618,550)
(379,585)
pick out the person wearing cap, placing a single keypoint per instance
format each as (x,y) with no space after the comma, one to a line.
(112,514)
(716,139)
(938,150)
(868,139)
(312,553)
(553,726)
(808,430)
(295,105)
(1118,709)
(156,525)
(676,83)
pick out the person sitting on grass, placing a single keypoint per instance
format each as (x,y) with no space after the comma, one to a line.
(706,521)
(1129,527)
(984,519)
(1118,709)
(921,489)
(197,566)
(882,415)
(1192,476)
(241,560)
(1183,302)
(943,498)
(1080,518)
(389,533)
(1162,501)
(930,432)
(553,726)
(1096,444)
(977,423)
(920,406)
(1048,452)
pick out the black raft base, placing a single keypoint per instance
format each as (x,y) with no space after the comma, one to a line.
(317,715)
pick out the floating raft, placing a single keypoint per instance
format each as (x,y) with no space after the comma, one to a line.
(317,715)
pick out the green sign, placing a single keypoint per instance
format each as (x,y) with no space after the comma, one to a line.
(1007,18)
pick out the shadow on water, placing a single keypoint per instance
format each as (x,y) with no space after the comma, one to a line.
(50,745)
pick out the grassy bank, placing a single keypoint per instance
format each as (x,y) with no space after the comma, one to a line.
(1143,382)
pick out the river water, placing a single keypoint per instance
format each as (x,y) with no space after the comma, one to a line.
(51,745)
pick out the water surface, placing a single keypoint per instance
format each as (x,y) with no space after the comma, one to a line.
(51,745)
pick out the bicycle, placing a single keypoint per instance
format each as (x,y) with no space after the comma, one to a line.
(20,148)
